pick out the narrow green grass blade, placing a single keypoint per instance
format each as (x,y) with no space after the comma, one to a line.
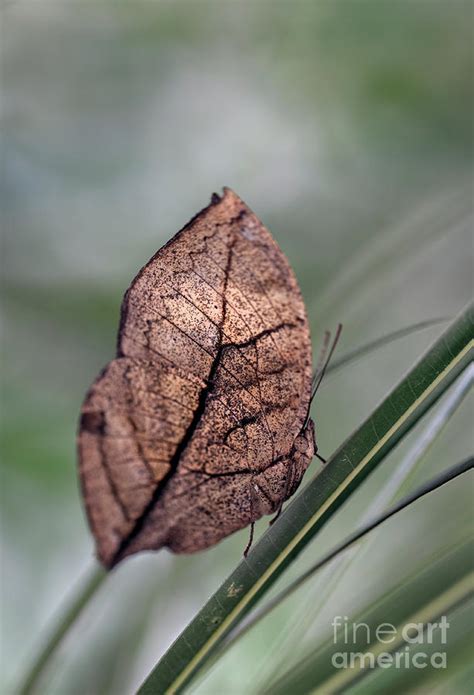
(436,590)
(361,351)
(85,592)
(435,681)
(314,506)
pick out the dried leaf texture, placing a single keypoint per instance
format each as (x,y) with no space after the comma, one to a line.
(198,427)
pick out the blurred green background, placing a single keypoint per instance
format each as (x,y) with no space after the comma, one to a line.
(347,127)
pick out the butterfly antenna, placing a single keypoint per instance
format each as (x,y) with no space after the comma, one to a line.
(321,358)
(323,363)
(322,371)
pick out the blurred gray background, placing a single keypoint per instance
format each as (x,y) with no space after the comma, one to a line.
(347,127)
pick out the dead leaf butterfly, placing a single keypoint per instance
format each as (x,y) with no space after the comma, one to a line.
(200,425)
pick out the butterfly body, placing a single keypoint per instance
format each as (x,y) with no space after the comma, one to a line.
(199,426)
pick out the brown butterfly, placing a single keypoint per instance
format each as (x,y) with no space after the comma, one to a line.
(200,425)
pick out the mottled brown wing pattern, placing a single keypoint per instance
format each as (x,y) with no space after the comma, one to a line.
(196,428)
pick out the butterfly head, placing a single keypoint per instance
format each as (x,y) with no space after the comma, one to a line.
(305,443)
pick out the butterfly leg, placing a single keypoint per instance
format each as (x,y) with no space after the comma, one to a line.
(249,544)
(252,524)
(279,511)
(318,456)
(288,485)
(259,501)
